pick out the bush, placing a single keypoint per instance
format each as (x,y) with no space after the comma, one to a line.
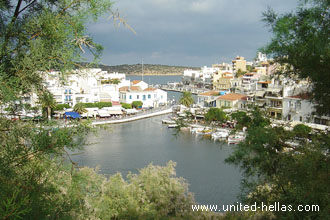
(97,105)
(215,114)
(137,104)
(60,107)
(301,130)
(126,106)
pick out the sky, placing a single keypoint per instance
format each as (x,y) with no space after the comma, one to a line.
(185,32)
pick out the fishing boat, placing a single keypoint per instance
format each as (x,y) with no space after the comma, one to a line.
(168,121)
(220,134)
(236,138)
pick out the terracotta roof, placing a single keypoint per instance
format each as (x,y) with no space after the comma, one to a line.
(150,89)
(124,88)
(301,96)
(225,73)
(232,97)
(135,88)
(135,82)
(210,93)
(265,82)
(227,77)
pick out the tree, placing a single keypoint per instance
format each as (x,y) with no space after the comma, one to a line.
(301,44)
(61,107)
(186,99)
(137,104)
(215,114)
(79,107)
(48,103)
(278,167)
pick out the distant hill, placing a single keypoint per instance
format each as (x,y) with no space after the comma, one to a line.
(148,69)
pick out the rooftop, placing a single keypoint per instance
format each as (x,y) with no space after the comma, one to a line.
(136,82)
(232,97)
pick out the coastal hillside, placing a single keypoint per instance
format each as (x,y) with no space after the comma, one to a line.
(148,69)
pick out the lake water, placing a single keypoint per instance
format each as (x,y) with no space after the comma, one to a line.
(131,146)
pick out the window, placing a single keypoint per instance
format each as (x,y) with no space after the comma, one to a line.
(144,97)
(149,96)
(289,117)
(300,118)
(130,96)
(137,96)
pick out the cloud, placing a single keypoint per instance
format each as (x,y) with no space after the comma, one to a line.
(194,32)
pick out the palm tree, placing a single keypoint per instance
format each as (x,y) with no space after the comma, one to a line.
(186,99)
(79,107)
(47,101)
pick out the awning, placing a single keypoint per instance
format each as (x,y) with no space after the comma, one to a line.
(115,112)
(131,111)
(72,115)
(103,113)
(260,93)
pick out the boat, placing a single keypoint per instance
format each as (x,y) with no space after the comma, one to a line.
(236,138)
(204,131)
(172,125)
(220,134)
(193,130)
(167,121)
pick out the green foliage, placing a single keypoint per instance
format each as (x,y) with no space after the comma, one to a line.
(137,104)
(277,171)
(126,105)
(47,102)
(79,107)
(110,81)
(242,119)
(215,114)
(61,107)
(96,105)
(302,131)
(240,73)
(301,44)
(186,99)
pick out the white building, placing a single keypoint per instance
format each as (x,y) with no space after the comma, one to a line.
(150,97)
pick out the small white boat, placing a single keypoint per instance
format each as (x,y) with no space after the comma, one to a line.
(220,134)
(167,121)
(236,138)
(172,125)
(204,131)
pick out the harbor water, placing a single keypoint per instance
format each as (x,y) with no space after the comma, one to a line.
(131,146)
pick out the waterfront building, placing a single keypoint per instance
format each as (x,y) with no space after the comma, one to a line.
(208,99)
(139,91)
(231,100)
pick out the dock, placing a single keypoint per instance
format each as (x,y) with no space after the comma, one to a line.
(134,118)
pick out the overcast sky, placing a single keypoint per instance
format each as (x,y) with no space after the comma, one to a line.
(186,32)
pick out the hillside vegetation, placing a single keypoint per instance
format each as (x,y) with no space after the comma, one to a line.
(148,69)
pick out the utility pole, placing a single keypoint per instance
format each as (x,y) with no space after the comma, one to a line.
(142,69)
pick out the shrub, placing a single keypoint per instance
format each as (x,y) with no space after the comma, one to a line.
(137,104)
(60,107)
(126,106)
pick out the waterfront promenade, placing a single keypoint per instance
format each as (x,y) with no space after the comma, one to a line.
(142,115)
